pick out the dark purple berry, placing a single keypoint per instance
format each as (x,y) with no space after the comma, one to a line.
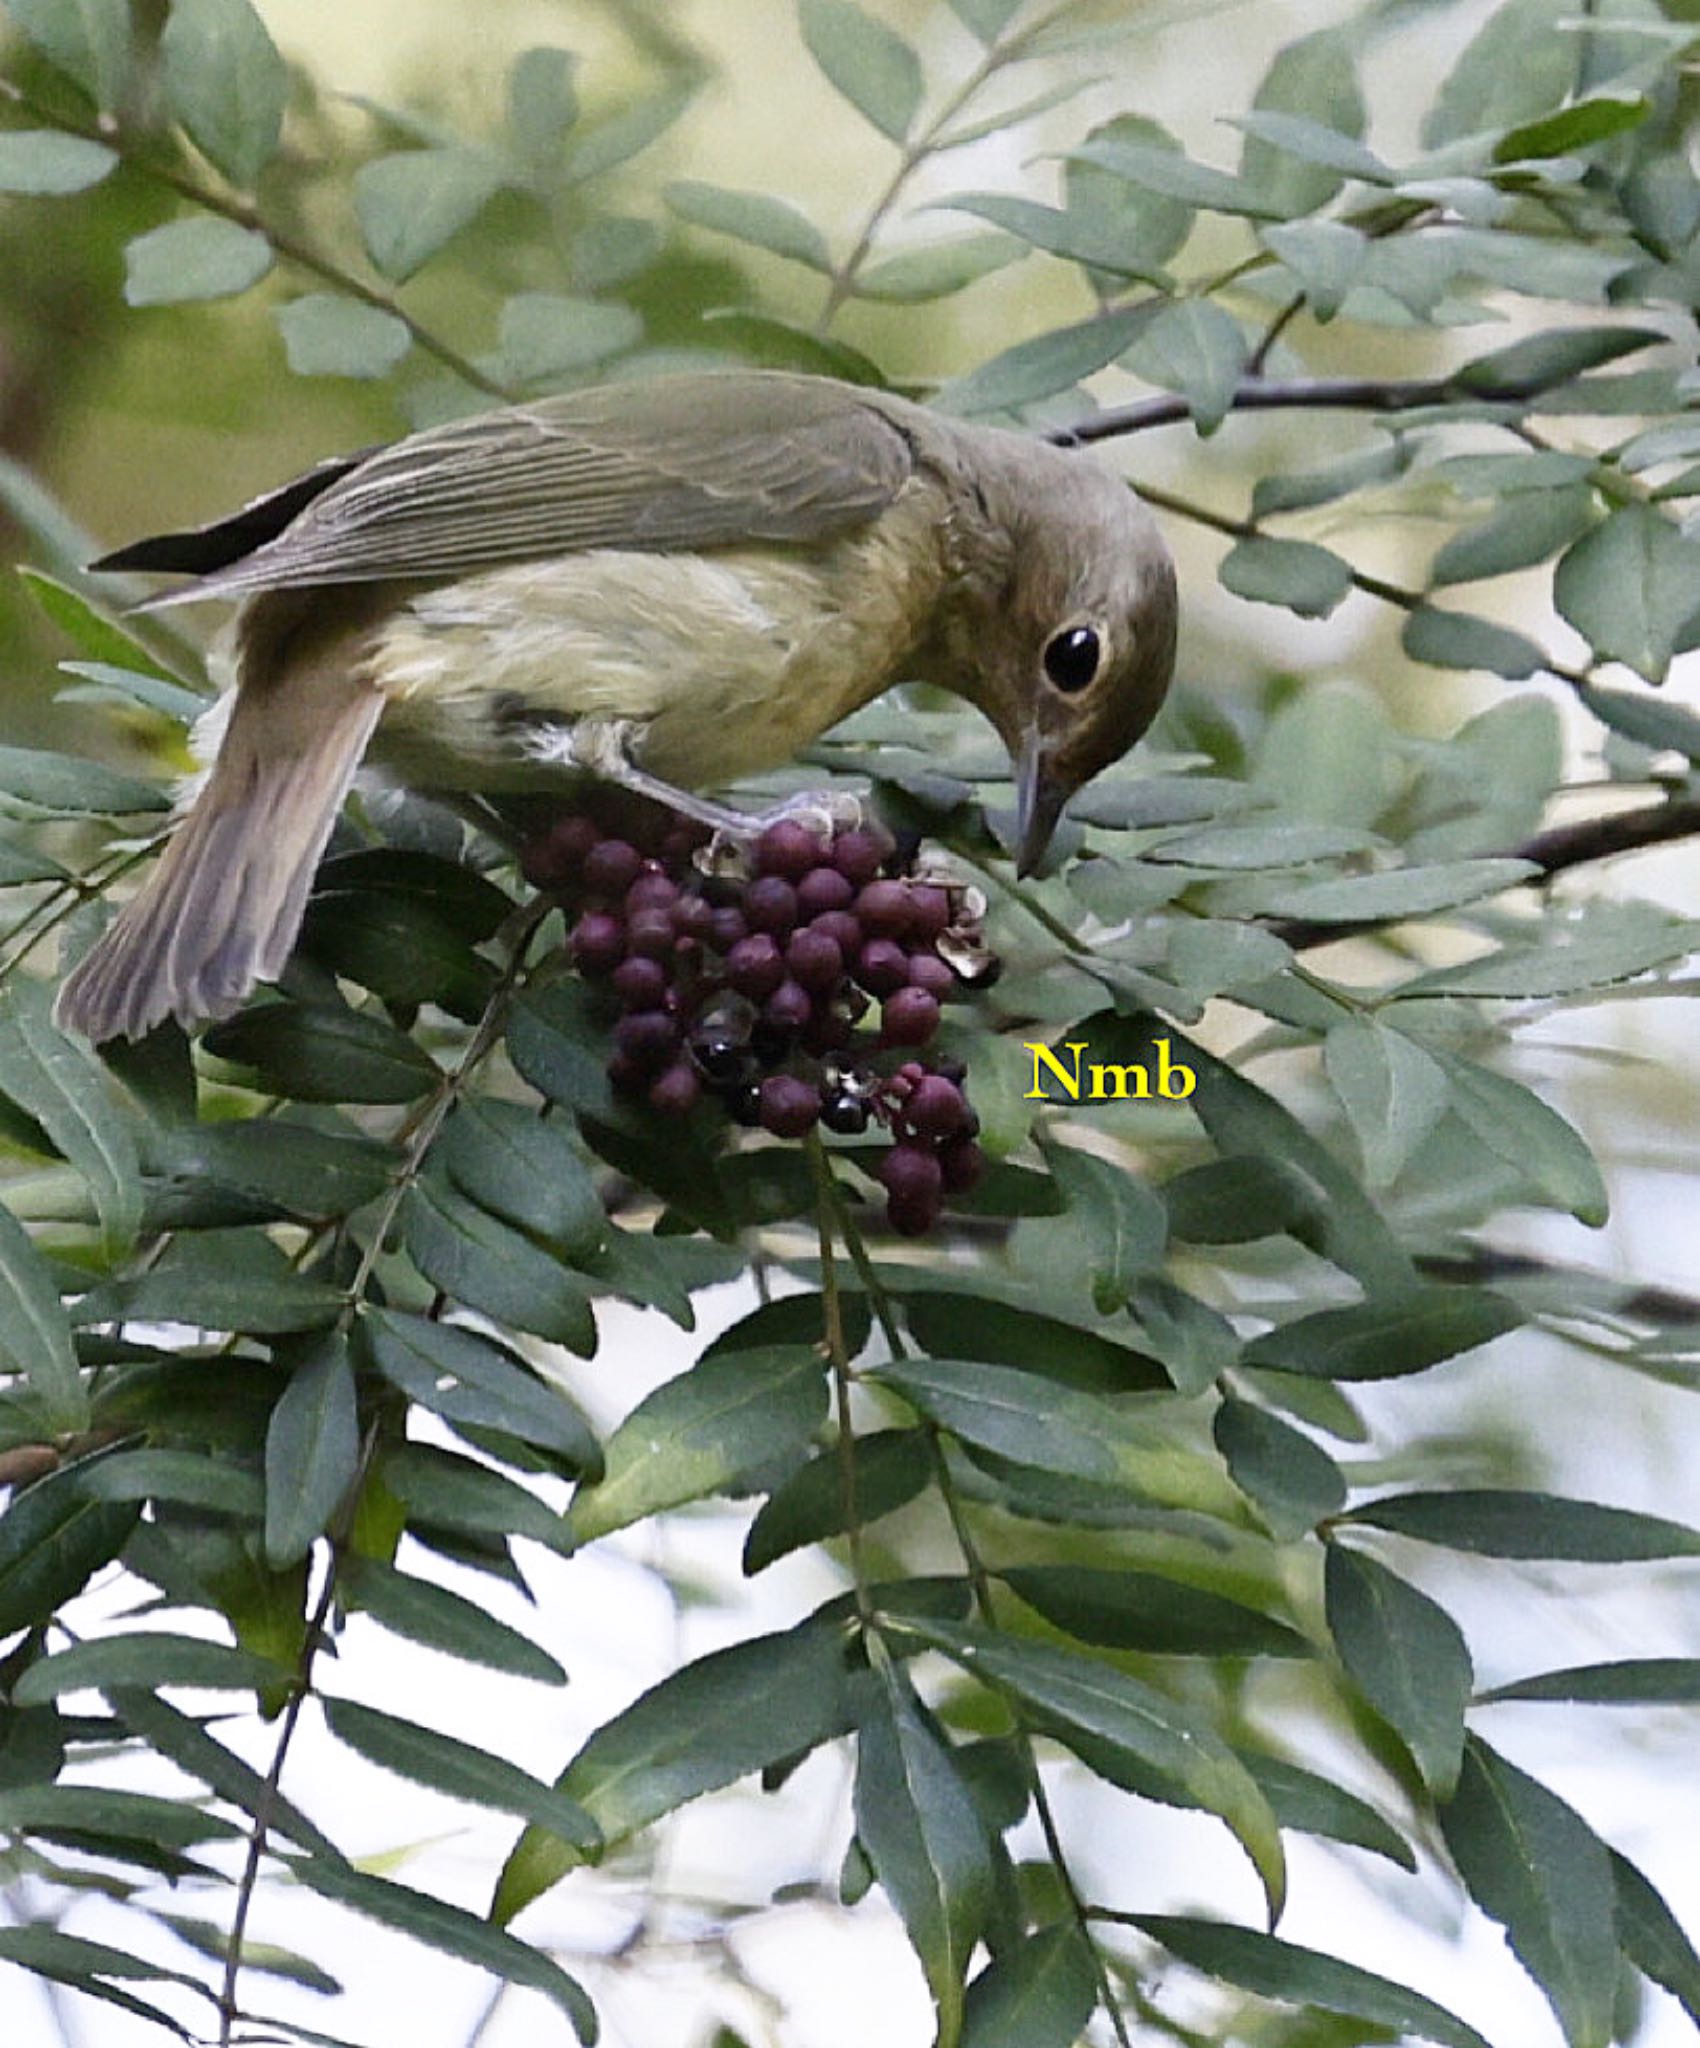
(789,1107)
(640,983)
(650,932)
(693,918)
(680,841)
(884,910)
(628,1076)
(788,1008)
(570,839)
(910,1017)
(961,1165)
(882,967)
(928,971)
(846,1114)
(929,910)
(936,1109)
(858,855)
(648,1038)
(755,966)
(677,1091)
(911,1215)
(788,849)
(770,904)
(842,929)
(599,943)
(728,927)
(652,891)
(913,1182)
(824,889)
(612,866)
(813,960)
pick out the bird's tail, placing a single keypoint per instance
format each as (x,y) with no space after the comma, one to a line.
(221,909)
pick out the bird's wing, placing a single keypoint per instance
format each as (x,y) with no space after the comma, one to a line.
(684,462)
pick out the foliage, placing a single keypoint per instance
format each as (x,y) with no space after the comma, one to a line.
(286,1313)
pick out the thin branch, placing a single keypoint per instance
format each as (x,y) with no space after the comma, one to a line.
(1296,394)
(281,242)
(838,1356)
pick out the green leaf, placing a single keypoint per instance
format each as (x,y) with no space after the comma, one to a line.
(149,1661)
(226,83)
(312,1450)
(1400,892)
(1311,142)
(1195,1343)
(526,1169)
(60,1083)
(1387,1336)
(446,1490)
(35,1338)
(89,40)
(53,1539)
(98,635)
(1272,1968)
(1628,588)
(481,1262)
(1124,1222)
(1525,530)
(410,204)
(986,19)
(307,1173)
(106,684)
(1652,1938)
(1046,364)
(424,1613)
(63,786)
(1443,639)
(1516,1126)
(549,335)
(314,1053)
(556,1043)
(197,1286)
(704,1432)
(1578,126)
(1327,257)
(1145,226)
(1645,719)
(1127,1731)
(1392,1091)
(1175,176)
(542,104)
(98,1810)
(704,1726)
(1294,1482)
(47,164)
(919,1828)
(1493,1523)
(1312,1805)
(935,270)
(1313,78)
(1240,847)
(1193,347)
(326,335)
(1032,1421)
(759,218)
(199,258)
(1408,1658)
(892,1467)
(1038,1993)
(1591,949)
(1539,362)
(69,1959)
(1379,463)
(606,144)
(460,1770)
(1635,1682)
(1533,1864)
(187,1477)
(1077,238)
(1131,1610)
(21,865)
(979,1325)
(869,63)
(1519,65)
(468,1378)
(1306,578)
(455,1932)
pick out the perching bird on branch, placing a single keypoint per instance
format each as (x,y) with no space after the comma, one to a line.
(667,584)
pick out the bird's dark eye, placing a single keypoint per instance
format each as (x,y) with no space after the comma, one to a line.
(1072,657)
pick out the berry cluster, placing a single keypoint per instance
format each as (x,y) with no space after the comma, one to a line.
(752,976)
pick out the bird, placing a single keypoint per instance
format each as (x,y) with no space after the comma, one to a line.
(667,583)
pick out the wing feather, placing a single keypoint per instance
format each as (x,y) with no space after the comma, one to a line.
(695,461)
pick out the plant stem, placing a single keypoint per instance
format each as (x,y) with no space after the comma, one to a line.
(838,1357)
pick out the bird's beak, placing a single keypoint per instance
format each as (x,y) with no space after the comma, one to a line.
(1039,800)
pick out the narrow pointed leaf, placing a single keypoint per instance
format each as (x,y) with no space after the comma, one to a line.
(424,1613)
(226,83)
(869,63)
(312,1450)
(1386,1336)
(53,1539)
(1038,1994)
(1493,1523)
(1408,1657)
(35,1337)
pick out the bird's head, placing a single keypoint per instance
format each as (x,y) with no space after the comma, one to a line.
(1072,653)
